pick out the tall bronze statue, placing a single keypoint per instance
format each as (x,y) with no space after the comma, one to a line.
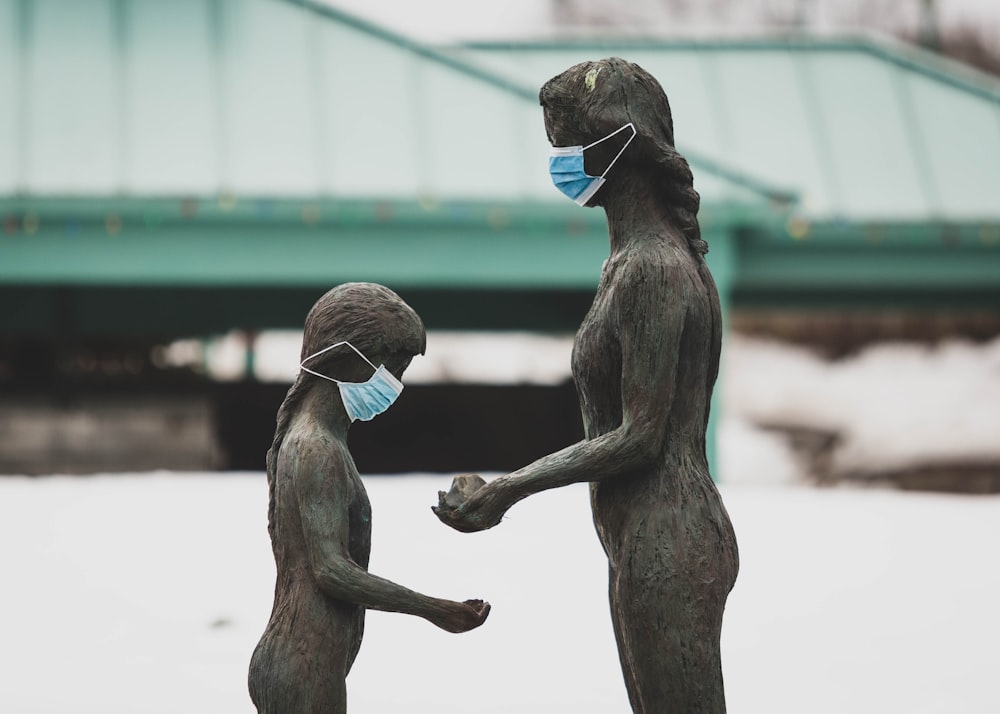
(645,361)
(358,340)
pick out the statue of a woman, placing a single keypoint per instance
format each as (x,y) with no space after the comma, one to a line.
(358,340)
(644,361)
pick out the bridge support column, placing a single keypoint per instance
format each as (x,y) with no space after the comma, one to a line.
(721,260)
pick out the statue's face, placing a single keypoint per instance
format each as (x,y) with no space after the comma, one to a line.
(548,127)
(397,363)
(556,132)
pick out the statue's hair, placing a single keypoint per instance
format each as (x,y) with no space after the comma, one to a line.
(372,318)
(592,99)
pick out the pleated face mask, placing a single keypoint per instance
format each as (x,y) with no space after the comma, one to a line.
(567,171)
(362,400)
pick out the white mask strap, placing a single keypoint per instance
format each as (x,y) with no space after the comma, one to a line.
(619,130)
(303,367)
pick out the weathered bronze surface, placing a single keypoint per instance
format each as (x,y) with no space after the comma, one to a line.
(320,519)
(645,361)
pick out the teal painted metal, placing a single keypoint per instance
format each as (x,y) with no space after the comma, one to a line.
(876,266)
(275,253)
(859,130)
(722,260)
(214,142)
(263,98)
(295,243)
(755,188)
(904,55)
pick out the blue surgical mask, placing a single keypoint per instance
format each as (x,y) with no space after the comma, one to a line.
(362,400)
(568,174)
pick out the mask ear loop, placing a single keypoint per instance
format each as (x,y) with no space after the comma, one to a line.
(303,367)
(619,130)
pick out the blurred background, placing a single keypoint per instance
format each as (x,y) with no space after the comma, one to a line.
(180,181)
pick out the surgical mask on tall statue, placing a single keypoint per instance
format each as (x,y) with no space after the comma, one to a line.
(362,400)
(568,174)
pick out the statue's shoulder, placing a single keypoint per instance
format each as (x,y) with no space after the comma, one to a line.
(310,438)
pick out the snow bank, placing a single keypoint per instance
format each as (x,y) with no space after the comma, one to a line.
(147,593)
(894,405)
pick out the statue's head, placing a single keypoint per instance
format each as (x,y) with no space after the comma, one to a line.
(592,99)
(373,319)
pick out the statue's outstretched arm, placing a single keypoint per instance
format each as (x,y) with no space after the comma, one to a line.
(324,491)
(648,318)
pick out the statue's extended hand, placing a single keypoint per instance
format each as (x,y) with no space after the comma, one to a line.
(470,505)
(461,616)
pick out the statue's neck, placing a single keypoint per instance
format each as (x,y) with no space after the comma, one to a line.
(324,404)
(637,214)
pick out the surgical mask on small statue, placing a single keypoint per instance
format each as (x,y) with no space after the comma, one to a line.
(362,400)
(568,174)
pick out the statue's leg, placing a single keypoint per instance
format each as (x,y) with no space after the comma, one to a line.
(668,635)
(622,640)
(317,697)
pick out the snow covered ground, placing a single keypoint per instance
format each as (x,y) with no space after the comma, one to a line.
(147,592)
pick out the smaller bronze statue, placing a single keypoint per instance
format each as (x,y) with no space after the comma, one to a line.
(358,340)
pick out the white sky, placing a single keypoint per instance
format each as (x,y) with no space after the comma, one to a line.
(453,20)
(442,21)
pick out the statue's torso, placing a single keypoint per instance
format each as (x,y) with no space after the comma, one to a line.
(301,608)
(679,479)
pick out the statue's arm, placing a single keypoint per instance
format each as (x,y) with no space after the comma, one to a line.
(648,319)
(324,492)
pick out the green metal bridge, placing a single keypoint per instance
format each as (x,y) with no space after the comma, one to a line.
(189,168)
(143,267)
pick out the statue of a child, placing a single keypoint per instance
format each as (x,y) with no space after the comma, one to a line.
(358,340)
